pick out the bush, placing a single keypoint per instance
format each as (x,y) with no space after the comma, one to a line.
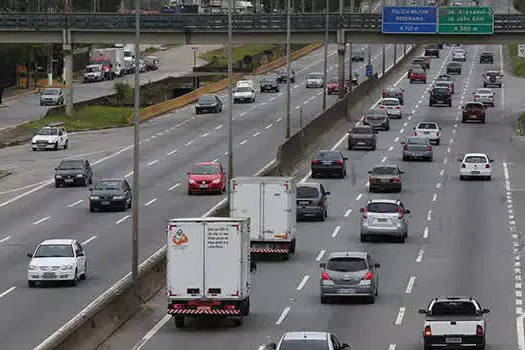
(122,91)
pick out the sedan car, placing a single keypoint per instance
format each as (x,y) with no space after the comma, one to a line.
(486,57)
(209,177)
(110,193)
(349,275)
(385,177)
(312,201)
(329,162)
(417,147)
(417,74)
(392,107)
(282,76)
(423,61)
(52,96)
(384,217)
(485,96)
(333,86)
(269,84)
(57,260)
(394,92)
(306,340)
(492,78)
(377,119)
(73,172)
(315,80)
(454,68)
(473,111)
(362,136)
(430,130)
(413,67)
(475,165)
(459,55)
(447,78)
(208,104)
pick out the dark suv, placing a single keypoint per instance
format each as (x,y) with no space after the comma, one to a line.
(110,193)
(440,95)
(432,51)
(486,57)
(73,172)
(282,76)
(312,201)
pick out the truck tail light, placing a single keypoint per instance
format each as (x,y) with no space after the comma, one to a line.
(365,213)
(229,307)
(463,165)
(479,330)
(490,96)
(427,332)
(368,276)
(320,204)
(396,180)
(340,162)
(415,133)
(477,96)
(325,276)
(382,107)
(487,166)
(178,306)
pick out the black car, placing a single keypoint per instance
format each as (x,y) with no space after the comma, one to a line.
(208,103)
(312,201)
(454,68)
(394,93)
(377,119)
(270,84)
(362,136)
(73,172)
(110,194)
(329,162)
(282,76)
(440,95)
(432,51)
(486,57)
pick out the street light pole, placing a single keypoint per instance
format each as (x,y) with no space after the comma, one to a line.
(369,46)
(230,98)
(384,51)
(325,68)
(195,49)
(136,122)
(288,66)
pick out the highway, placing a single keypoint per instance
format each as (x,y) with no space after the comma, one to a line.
(170,146)
(463,239)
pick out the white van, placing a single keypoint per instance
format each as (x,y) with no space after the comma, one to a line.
(244,91)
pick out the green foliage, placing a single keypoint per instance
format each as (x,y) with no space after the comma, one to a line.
(519,5)
(122,91)
(517,63)
(238,53)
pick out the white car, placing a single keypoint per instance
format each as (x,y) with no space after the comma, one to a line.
(315,80)
(308,340)
(485,96)
(57,260)
(392,107)
(430,130)
(244,93)
(52,136)
(459,55)
(475,165)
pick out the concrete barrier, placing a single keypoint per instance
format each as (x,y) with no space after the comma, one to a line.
(282,60)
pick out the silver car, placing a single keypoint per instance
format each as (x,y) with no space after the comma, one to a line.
(492,78)
(417,147)
(485,96)
(384,217)
(312,201)
(448,78)
(307,340)
(349,274)
(52,96)
(315,80)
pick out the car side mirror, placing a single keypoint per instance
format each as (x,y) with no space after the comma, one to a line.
(56,169)
(361,210)
(253,267)
(491,160)
(91,189)
(345,346)
(485,311)
(408,211)
(370,171)
(29,255)
(345,158)
(80,254)
(327,193)
(377,265)
(322,265)
(423,311)
(271,346)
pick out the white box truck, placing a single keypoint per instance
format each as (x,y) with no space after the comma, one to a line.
(270,203)
(208,268)
(112,60)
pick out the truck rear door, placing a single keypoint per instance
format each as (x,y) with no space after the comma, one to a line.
(454,327)
(185,257)
(247,202)
(276,211)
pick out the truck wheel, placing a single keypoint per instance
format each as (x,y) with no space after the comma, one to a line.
(292,247)
(246,307)
(179,321)
(324,300)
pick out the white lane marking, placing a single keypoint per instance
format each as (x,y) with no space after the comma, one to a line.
(215,160)
(283,315)
(73,204)
(454,131)
(409,117)
(269,126)
(320,255)
(359,196)
(41,220)
(206,134)
(3,294)
(242,143)
(151,202)
(225,153)
(438,185)
(257,133)
(451,141)
(174,186)
(348,212)
(396,139)
(20,196)
(296,86)
(405,124)
(153,162)
(420,255)
(303,282)
(336,231)
(402,131)
(273,98)
(390,148)
(297,107)
(122,220)
(383,160)
(243,114)
(279,119)
(400,314)
(445,161)
(152,332)
(170,153)
(218,127)
(434,198)
(89,240)
(5,239)
(410,285)
(392,347)
(305,102)
(521,331)
(448,149)
(429,215)
(441,172)
(425,232)
(189,143)
(129,174)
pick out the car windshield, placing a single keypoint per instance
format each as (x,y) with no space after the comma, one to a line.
(51,91)
(454,64)
(269,80)
(205,170)
(384,170)
(71,165)
(417,141)
(484,91)
(108,186)
(474,106)
(486,54)
(206,99)
(453,308)
(314,76)
(304,344)
(48,132)
(328,155)
(307,192)
(54,251)
(427,126)
(347,264)
(390,102)
(92,69)
(432,47)
(492,74)
(440,90)
(382,208)
(361,130)
(475,159)
(243,89)
(376,115)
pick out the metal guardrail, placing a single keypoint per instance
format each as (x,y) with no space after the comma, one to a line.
(215,22)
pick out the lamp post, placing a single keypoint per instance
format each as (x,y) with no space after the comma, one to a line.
(195,82)
(230,98)
(288,66)
(325,68)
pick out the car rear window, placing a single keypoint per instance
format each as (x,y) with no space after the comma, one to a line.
(109,185)
(474,106)
(206,99)
(454,64)
(390,102)
(455,308)
(417,141)
(427,126)
(440,90)
(382,208)
(347,264)
(492,74)
(475,159)
(329,155)
(361,130)
(418,71)
(304,344)
(384,170)
(307,192)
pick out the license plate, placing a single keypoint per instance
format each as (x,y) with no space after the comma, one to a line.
(384,181)
(303,203)
(389,107)
(418,154)
(41,145)
(203,186)
(327,163)
(361,143)
(48,275)
(474,172)
(453,340)
(426,132)
(382,220)
(205,307)
(440,101)
(69,180)
(347,291)
(105,203)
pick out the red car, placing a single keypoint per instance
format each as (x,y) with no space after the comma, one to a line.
(418,75)
(207,177)
(333,86)
(473,111)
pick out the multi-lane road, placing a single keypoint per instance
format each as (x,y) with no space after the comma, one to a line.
(170,146)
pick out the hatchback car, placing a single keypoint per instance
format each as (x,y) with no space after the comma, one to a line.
(109,194)
(430,130)
(413,67)
(485,96)
(492,78)
(312,201)
(209,177)
(486,57)
(384,217)
(377,119)
(329,162)
(417,74)
(392,107)
(209,104)
(349,274)
(333,86)
(440,95)
(306,340)
(282,76)
(475,165)
(473,111)
(57,260)
(385,177)
(315,80)
(394,92)
(417,147)
(448,78)
(454,68)
(52,96)
(459,55)
(73,172)
(362,136)
(358,55)
(269,84)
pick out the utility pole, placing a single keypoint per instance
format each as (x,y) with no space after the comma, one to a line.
(325,68)
(341,50)
(288,66)
(230,98)
(384,51)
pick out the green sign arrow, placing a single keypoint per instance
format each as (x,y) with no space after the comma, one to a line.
(466,20)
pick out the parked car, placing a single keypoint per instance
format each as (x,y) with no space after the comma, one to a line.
(486,57)
(384,217)
(492,78)
(475,165)
(328,162)
(73,172)
(152,63)
(208,104)
(485,96)
(269,84)
(52,96)
(362,136)
(473,111)
(454,68)
(385,177)
(394,92)
(377,119)
(312,201)
(110,194)
(417,147)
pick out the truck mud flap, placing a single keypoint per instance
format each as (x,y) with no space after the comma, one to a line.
(204,312)
(270,251)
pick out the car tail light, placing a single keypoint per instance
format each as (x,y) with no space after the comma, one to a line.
(320,204)
(325,276)
(396,180)
(490,96)
(365,213)
(314,161)
(415,133)
(479,330)
(368,276)
(178,306)
(405,148)
(437,133)
(427,332)
(340,162)
(365,118)
(400,94)
(487,166)
(477,96)
(399,213)
(384,94)
(382,107)
(397,107)
(463,165)
(429,148)
(373,179)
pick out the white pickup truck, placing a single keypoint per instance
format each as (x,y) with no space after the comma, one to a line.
(454,322)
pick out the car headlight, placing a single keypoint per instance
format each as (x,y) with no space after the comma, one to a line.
(67,267)
(94,197)
(32,267)
(51,141)
(118,197)
(80,175)
(191,181)
(216,181)
(58,176)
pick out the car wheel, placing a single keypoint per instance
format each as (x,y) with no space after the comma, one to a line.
(364,238)
(461,178)
(488,178)
(57,185)
(342,174)
(197,112)
(430,104)
(399,189)
(484,85)
(371,299)
(124,207)
(450,104)
(424,81)
(314,175)
(482,121)
(56,146)
(371,189)
(91,208)
(74,281)
(91,180)
(321,217)
(83,276)
(405,159)
(463,120)
(438,141)
(387,128)
(324,300)
(374,147)
(349,147)
(189,193)
(179,321)
(429,159)
(31,284)
(85,182)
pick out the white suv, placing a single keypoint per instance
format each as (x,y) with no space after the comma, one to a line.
(475,165)
(430,130)
(308,341)
(392,107)
(244,93)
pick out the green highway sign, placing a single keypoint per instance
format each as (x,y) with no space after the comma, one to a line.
(465,20)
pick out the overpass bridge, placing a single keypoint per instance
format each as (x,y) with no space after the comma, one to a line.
(111,28)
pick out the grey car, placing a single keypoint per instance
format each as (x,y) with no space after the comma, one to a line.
(492,78)
(52,96)
(417,147)
(384,217)
(109,194)
(312,201)
(454,67)
(377,119)
(448,78)
(385,177)
(349,274)
(362,136)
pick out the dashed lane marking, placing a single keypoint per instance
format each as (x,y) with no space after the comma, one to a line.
(122,220)
(41,220)
(434,198)
(5,239)
(170,153)
(218,127)
(89,240)
(3,294)
(74,204)
(256,134)
(151,202)
(153,162)
(242,143)
(320,255)
(283,315)
(429,215)
(400,314)
(420,255)
(303,282)
(174,186)
(129,174)
(348,212)
(425,232)
(269,126)
(336,231)
(359,196)
(410,285)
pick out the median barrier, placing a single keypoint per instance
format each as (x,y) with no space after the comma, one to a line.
(94,324)
(265,68)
